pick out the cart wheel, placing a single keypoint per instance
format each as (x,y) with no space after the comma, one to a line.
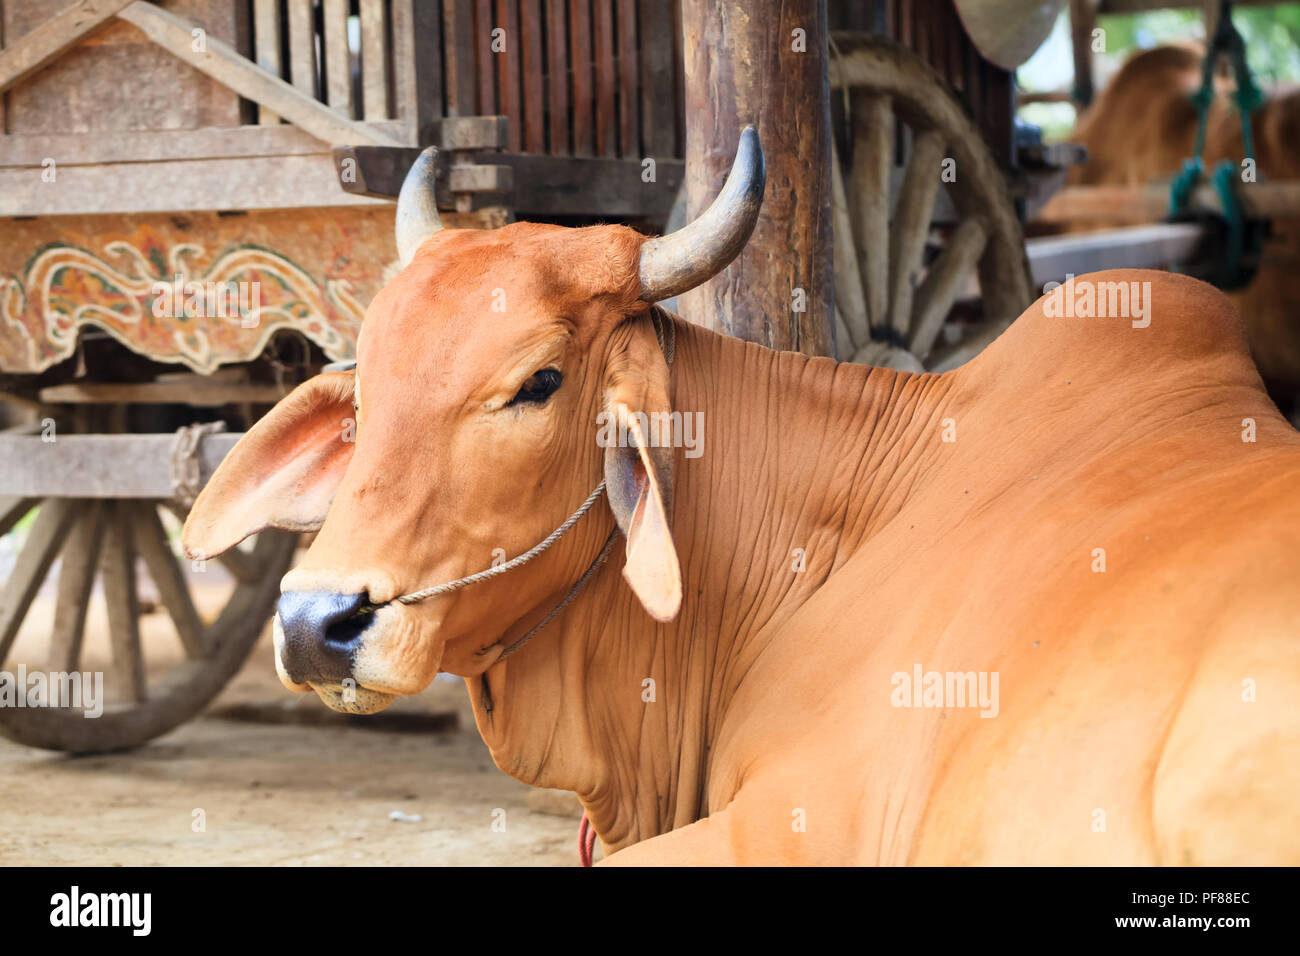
(891,306)
(104,538)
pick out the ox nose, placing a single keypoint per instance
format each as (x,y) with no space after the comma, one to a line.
(322,632)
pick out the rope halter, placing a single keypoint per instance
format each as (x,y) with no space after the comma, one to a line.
(666,337)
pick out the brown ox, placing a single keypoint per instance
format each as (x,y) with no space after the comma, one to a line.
(1141,129)
(1070,532)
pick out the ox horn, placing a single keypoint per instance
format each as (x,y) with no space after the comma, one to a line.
(417,206)
(703,248)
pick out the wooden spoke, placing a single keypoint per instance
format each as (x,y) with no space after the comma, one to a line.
(47,534)
(151,540)
(80,561)
(844,347)
(241,564)
(850,305)
(912,224)
(117,570)
(965,350)
(12,510)
(944,280)
(873,155)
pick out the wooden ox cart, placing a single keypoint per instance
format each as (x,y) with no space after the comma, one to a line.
(155,151)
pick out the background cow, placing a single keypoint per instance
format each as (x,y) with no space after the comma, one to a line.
(1141,129)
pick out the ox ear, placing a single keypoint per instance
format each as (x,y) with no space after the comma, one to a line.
(639,470)
(282,474)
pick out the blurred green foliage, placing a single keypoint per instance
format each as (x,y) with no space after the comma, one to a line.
(1271,34)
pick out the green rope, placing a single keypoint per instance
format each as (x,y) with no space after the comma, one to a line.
(1248,97)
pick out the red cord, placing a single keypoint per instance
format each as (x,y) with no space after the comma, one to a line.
(586,841)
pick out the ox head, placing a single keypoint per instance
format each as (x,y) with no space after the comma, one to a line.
(466,433)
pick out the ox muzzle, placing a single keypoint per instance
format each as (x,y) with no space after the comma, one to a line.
(317,637)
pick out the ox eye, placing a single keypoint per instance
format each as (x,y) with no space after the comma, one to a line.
(540,386)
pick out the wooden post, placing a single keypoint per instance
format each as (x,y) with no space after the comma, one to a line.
(1083,17)
(764,62)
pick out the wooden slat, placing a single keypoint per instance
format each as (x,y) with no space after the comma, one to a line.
(580,60)
(658,103)
(42,544)
(417,66)
(281,182)
(458,49)
(117,575)
(629,117)
(223,63)
(557,76)
(602,28)
(80,561)
(374,60)
(302,46)
(485,60)
(338,62)
(151,541)
(202,393)
(534,82)
(24,55)
(266,38)
(4,121)
(91,149)
(509,101)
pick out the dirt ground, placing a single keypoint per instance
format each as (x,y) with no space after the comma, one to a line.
(280,793)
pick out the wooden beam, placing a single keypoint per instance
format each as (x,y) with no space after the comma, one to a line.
(279,182)
(1132,205)
(374,170)
(99,466)
(224,64)
(589,186)
(763,62)
(471,132)
(142,146)
(203,393)
(59,33)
